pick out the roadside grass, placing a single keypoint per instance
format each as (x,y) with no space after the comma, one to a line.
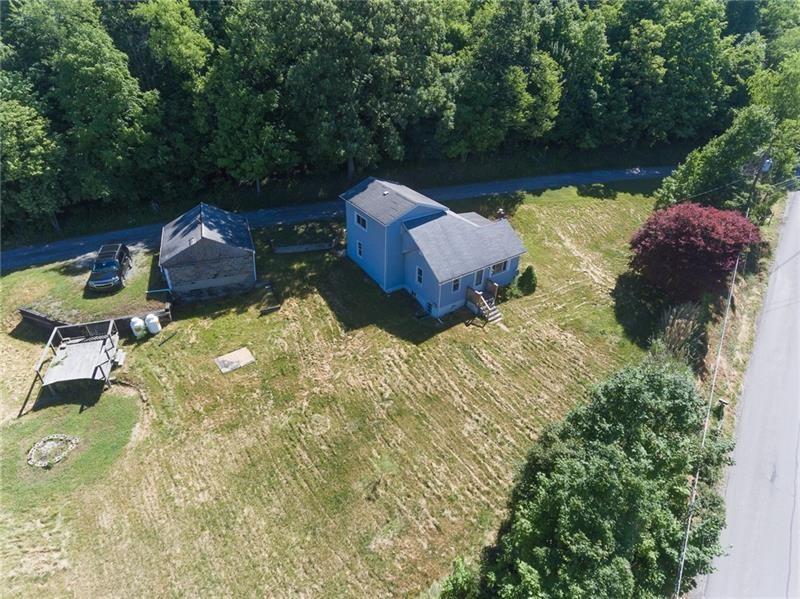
(315,187)
(749,293)
(364,449)
(315,232)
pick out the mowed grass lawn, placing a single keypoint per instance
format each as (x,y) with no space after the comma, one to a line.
(358,456)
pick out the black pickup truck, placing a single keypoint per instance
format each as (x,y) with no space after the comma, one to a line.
(109,268)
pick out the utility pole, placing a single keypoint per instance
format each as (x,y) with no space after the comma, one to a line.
(763,167)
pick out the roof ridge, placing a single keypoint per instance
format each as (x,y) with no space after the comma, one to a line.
(463,219)
(200,218)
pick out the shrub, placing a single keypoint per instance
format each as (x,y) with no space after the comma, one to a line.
(462,582)
(689,249)
(527,281)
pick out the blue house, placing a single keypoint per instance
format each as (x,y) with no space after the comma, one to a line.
(405,240)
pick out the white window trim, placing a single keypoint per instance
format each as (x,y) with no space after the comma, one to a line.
(504,268)
(419,274)
(360,249)
(456,285)
(362,217)
(476,282)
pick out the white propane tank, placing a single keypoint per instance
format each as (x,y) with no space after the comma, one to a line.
(153,325)
(138,327)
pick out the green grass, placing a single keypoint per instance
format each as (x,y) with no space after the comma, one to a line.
(315,187)
(103,430)
(40,507)
(363,450)
(304,233)
(59,290)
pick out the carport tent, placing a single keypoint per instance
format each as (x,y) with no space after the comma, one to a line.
(79,352)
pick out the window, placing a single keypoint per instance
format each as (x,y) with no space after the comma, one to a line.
(361,221)
(419,275)
(479,278)
(360,249)
(500,267)
(456,285)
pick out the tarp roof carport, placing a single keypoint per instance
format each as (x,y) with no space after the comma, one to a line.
(204,222)
(79,352)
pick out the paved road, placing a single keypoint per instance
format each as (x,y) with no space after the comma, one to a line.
(763,520)
(148,235)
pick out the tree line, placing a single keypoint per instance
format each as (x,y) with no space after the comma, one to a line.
(127,101)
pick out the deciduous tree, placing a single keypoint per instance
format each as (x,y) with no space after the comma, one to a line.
(690,249)
(599,508)
(508,87)
(31,159)
(721,172)
(250,138)
(93,102)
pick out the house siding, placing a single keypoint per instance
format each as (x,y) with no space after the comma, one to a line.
(428,291)
(453,300)
(395,261)
(441,297)
(391,258)
(373,243)
(505,277)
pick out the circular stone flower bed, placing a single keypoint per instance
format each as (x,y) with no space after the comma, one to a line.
(49,451)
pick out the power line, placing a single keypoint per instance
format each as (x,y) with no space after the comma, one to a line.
(702,193)
(696,195)
(729,183)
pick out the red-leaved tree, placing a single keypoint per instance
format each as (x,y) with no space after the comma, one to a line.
(689,249)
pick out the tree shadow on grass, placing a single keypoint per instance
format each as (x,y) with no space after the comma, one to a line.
(638,307)
(303,233)
(610,190)
(597,190)
(489,206)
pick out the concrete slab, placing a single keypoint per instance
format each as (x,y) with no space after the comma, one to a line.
(234,360)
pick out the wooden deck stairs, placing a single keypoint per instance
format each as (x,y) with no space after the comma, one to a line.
(485,303)
(489,310)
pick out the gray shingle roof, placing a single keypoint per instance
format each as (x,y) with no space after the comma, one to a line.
(204,222)
(455,245)
(386,201)
(475,218)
